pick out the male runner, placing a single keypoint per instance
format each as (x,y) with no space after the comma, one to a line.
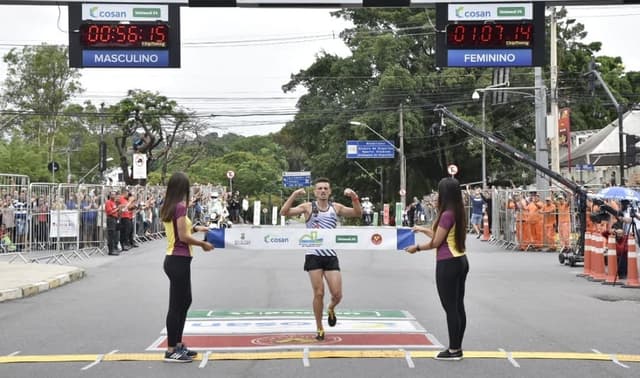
(323,263)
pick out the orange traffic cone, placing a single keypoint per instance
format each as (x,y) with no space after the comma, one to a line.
(632,265)
(612,262)
(597,263)
(586,271)
(485,228)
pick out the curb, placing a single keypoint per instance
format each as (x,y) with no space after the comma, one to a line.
(41,286)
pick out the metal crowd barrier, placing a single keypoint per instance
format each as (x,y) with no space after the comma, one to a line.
(57,223)
(519,225)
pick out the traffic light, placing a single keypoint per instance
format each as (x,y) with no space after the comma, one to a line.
(632,150)
(103,156)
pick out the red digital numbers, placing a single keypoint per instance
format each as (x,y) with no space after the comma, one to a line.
(100,35)
(490,35)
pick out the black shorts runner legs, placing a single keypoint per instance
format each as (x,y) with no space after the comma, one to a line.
(313,262)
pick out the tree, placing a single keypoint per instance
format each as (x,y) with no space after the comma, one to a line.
(39,81)
(392,66)
(155,122)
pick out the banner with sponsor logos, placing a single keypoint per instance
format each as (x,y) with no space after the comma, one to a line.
(351,238)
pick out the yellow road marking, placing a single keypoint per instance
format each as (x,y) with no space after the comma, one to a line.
(521,355)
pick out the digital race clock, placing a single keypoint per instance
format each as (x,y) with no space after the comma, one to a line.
(482,35)
(133,35)
(491,35)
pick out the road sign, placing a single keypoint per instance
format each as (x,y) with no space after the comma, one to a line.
(402,192)
(53,166)
(452,169)
(230,174)
(585,167)
(296,179)
(370,149)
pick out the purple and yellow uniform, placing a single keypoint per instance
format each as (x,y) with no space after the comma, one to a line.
(175,247)
(447,250)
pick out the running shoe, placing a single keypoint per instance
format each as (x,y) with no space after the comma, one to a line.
(446,355)
(177,355)
(320,335)
(190,353)
(331,318)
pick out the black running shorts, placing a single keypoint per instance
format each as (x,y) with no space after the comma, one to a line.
(313,262)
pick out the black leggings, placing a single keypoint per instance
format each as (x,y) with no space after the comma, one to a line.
(178,269)
(451,275)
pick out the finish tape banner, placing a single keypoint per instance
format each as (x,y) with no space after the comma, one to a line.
(281,238)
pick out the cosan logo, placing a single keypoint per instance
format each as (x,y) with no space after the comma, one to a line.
(95,12)
(276,239)
(472,13)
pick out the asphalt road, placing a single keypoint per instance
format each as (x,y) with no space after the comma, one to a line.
(516,302)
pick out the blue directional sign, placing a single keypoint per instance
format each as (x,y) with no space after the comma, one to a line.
(370,149)
(585,167)
(296,179)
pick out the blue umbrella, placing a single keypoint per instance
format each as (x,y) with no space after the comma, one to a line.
(619,193)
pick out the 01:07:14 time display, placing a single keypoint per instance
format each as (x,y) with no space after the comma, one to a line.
(490,35)
(102,35)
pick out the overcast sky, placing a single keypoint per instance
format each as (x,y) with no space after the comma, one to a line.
(235,60)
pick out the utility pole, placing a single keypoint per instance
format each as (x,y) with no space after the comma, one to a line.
(554,138)
(542,154)
(403,164)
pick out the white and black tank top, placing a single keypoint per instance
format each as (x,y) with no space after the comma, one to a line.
(322,219)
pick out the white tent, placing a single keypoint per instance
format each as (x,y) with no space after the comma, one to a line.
(603,147)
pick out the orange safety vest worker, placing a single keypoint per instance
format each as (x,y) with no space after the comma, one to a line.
(564,223)
(549,223)
(535,222)
(525,237)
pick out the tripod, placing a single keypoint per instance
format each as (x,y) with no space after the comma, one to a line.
(622,259)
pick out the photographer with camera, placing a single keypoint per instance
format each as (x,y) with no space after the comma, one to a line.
(623,224)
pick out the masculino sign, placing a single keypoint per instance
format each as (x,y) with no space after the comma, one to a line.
(124,58)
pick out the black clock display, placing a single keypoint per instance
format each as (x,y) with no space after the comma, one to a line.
(490,35)
(124,36)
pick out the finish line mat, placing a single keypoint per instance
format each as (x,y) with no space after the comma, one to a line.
(285,329)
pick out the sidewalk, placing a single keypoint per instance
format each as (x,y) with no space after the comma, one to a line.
(19,280)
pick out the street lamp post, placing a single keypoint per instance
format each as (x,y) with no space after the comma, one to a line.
(476,97)
(381,183)
(403,160)
(540,135)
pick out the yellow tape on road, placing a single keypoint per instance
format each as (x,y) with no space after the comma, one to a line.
(317,354)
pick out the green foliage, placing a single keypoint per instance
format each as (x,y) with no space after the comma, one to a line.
(22,158)
(40,81)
